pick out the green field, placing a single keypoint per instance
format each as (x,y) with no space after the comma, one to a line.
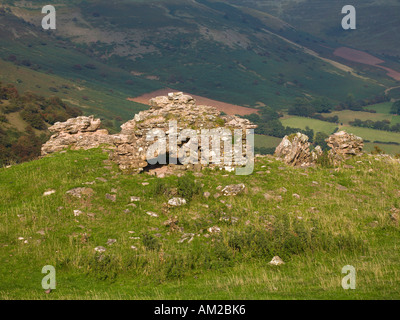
(373,135)
(387,148)
(302,123)
(316,235)
(381,107)
(347,116)
(328,128)
(263,141)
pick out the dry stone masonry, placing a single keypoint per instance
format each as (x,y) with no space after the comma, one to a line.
(131,146)
(344,145)
(77,133)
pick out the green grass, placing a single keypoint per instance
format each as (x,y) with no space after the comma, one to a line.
(381,107)
(387,148)
(315,235)
(302,123)
(327,127)
(263,141)
(347,116)
(373,135)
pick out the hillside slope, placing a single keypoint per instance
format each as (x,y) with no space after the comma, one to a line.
(317,220)
(194,46)
(24,119)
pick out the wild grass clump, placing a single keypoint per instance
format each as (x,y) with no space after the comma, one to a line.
(188,187)
(150,242)
(285,238)
(185,186)
(325,160)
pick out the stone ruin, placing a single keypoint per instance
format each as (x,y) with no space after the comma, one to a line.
(130,146)
(77,133)
(344,145)
(295,149)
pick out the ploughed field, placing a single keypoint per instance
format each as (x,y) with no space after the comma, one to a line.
(228,108)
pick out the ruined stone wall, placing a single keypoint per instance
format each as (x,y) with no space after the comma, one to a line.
(131,146)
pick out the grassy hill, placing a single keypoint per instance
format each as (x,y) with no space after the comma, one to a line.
(377,21)
(316,233)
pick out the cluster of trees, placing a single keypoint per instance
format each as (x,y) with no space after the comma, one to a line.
(358,105)
(269,124)
(39,112)
(395,108)
(378,125)
(305,108)
(20,147)
(312,108)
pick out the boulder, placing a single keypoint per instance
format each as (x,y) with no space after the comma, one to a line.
(295,150)
(276,261)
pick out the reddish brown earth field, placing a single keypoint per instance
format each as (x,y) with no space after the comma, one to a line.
(365,58)
(228,108)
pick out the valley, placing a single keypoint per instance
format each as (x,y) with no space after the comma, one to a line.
(79,193)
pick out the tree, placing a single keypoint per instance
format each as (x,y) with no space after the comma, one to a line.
(322,105)
(319,140)
(395,108)
(302,108)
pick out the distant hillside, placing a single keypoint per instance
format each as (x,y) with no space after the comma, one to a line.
(208,48)
(378,22)
(24,119)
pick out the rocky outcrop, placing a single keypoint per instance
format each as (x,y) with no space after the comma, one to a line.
(344,145)
(77,133)
(295,149)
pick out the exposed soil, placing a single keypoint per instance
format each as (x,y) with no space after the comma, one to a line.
(228,108)
(365,58)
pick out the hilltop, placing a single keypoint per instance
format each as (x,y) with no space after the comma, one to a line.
(114,236)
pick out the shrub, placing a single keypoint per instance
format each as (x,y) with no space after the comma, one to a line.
(188,187)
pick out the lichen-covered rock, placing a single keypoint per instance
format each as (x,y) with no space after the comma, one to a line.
(233,189)
(75,125)
(77,133)
(80,192)
(344,145)
(276,261)
(295,150)
(176,202)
